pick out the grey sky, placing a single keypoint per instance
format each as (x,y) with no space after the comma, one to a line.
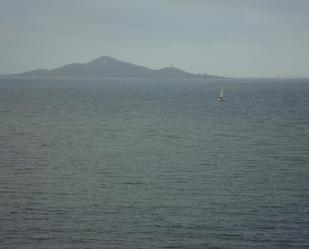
(224,37)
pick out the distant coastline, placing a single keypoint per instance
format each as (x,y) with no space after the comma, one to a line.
(107,67)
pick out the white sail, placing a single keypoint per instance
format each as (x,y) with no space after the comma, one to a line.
(221,92)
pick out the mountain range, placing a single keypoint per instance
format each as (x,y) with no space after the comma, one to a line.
(107,66)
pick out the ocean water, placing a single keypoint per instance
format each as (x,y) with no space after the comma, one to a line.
(133,163)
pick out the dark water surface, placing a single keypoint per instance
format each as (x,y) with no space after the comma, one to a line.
(154,164)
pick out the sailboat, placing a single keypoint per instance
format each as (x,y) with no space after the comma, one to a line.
(221,96)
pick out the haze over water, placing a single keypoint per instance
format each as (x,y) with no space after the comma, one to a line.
(257,38)
(154,164)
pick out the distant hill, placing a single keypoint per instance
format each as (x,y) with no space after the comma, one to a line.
(107,66)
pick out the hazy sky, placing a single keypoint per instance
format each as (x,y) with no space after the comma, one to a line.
(223,37)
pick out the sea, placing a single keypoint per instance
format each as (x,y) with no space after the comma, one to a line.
(146,163)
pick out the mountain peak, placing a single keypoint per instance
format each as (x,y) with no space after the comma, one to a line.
(103,60)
